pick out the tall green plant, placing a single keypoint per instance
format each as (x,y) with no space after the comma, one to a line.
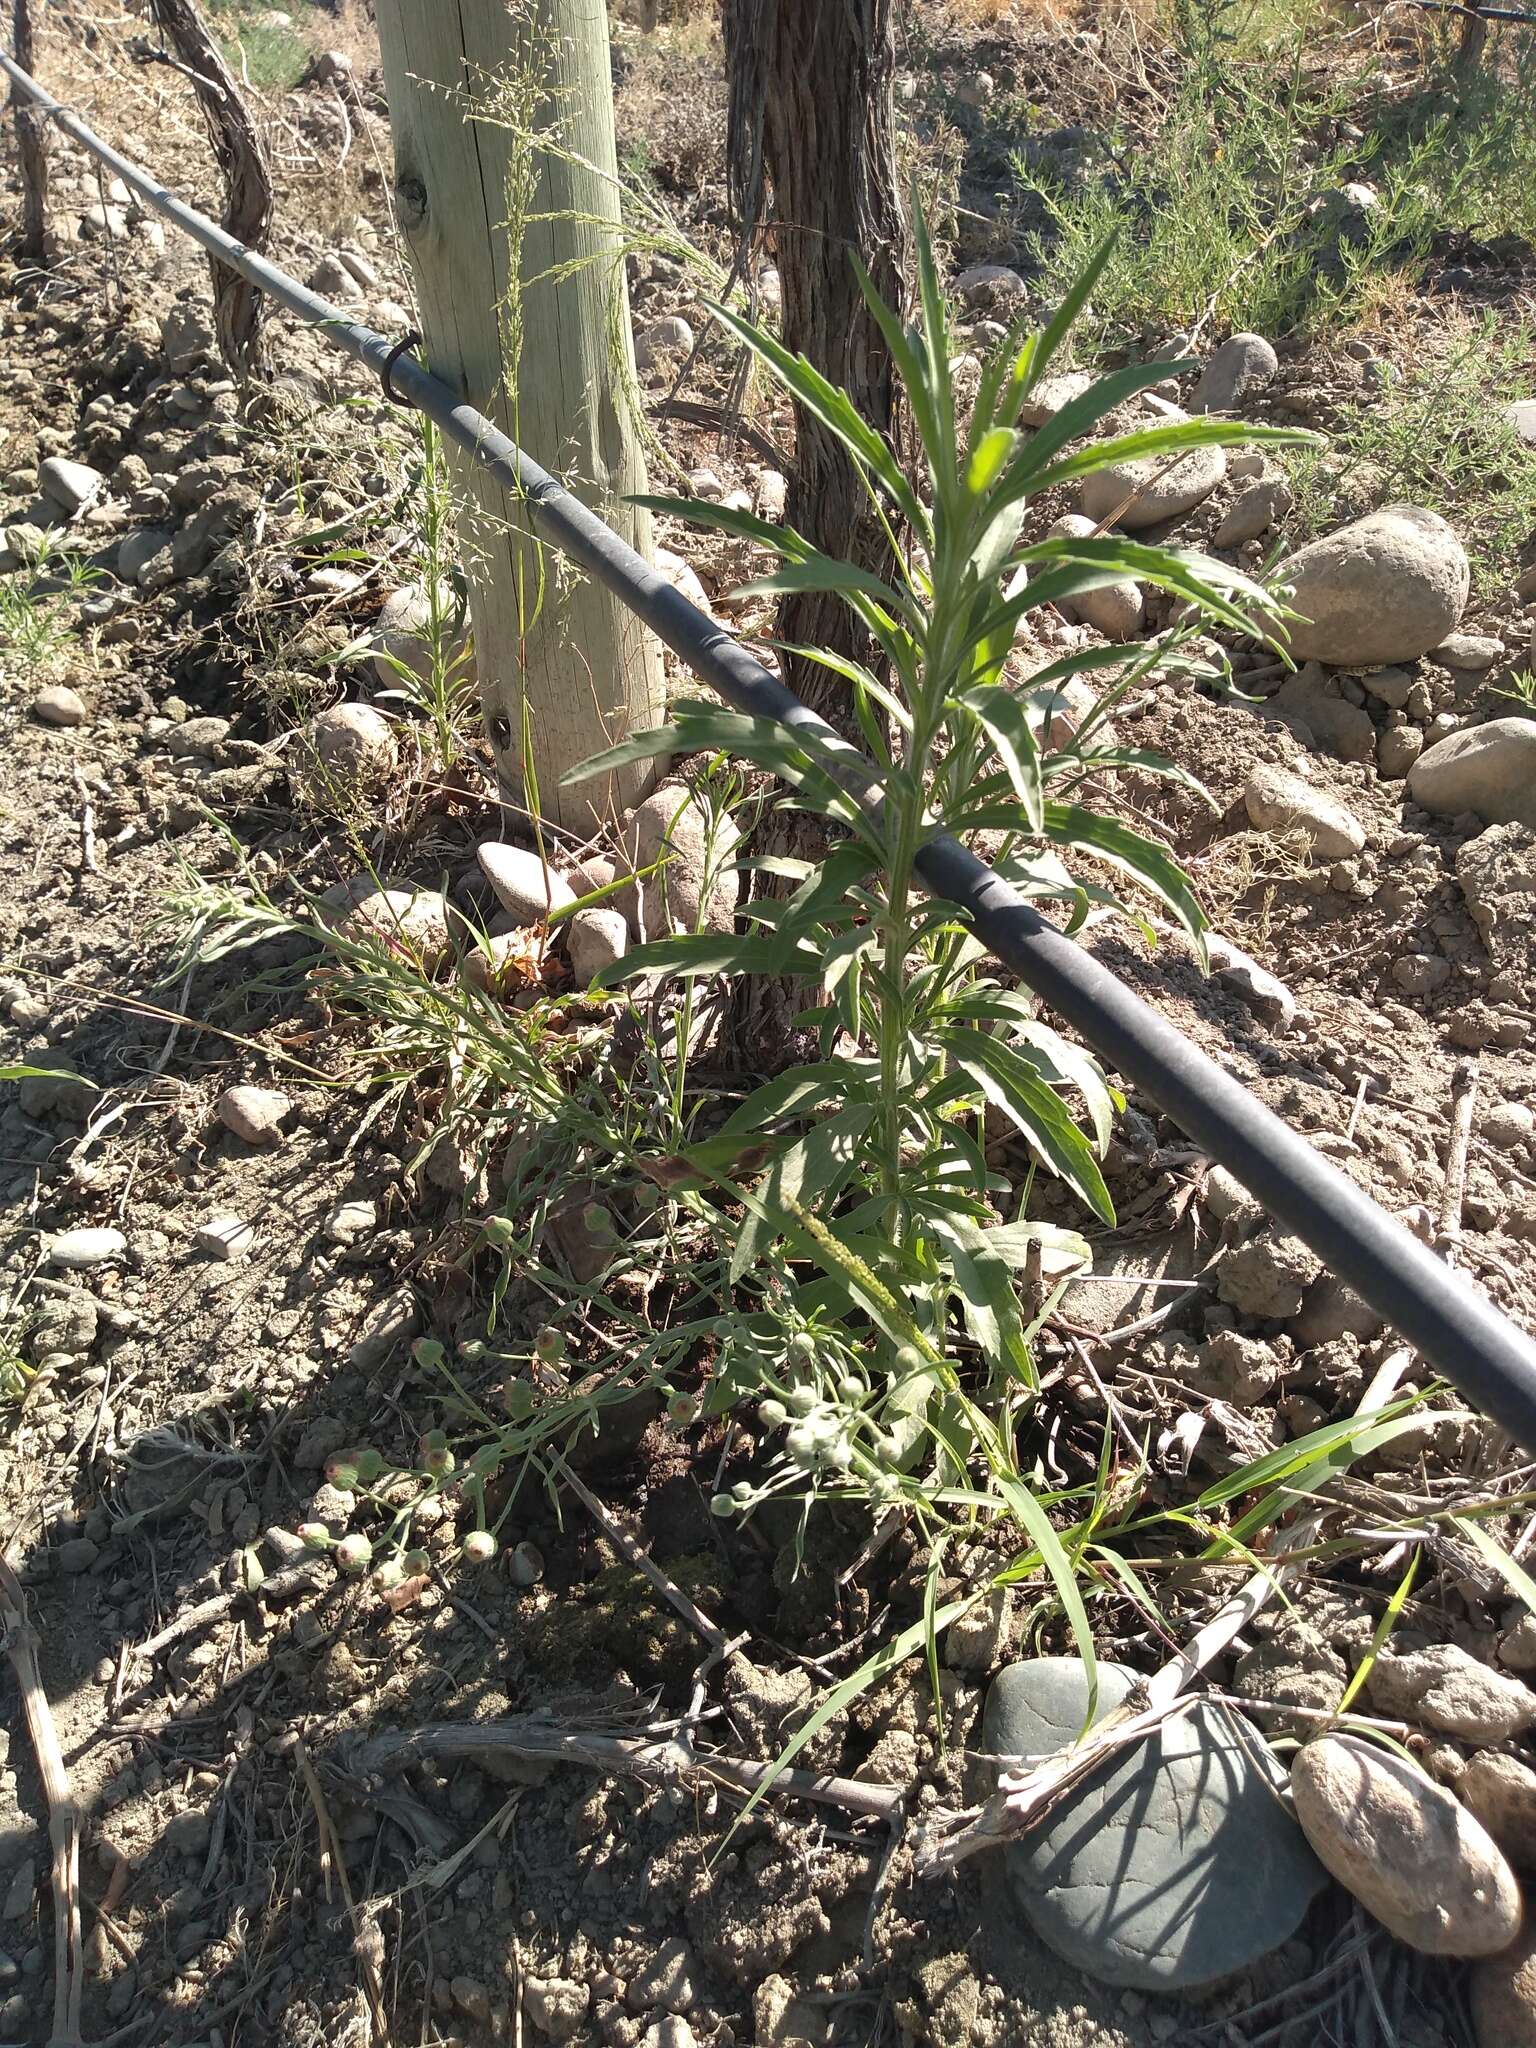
(888,1191)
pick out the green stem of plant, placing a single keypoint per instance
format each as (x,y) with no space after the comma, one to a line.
(896,950)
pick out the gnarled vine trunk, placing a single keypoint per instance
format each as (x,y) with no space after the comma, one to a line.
(32,145)
(238,307)
(812,114)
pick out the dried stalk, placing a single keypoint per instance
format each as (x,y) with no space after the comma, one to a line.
(706,1630)
(332,1858)
(1024,1798)
(299,1577)
(661,1760)
(1463,1108)
(63,1813)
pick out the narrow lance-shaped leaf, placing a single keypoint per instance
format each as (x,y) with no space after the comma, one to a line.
(936,335)
(907,356)
(776,537)
(817,1166)
(1189,575)
(1079,416)
(870,1672)
(826,402)
(987,1298)
(1003,718)
(1009,1082)
(1037,1525)
(1152,865)
(842,579)
(1178,438)
(1038,353)
(693,953)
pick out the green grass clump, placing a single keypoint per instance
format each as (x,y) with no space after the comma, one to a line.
(271,55)
(36,607)
(1439,437)
(1475,129)
(1232,213)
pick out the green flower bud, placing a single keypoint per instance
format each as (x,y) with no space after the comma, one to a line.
(428,1352)
(479,1547)
(722,1505)
(389,1574)
(598,1222)
(681,1410)
(354,1554)
(549,1345)
(499,1231)
(341,1472)
(436,1457)
(416,1563)
(801,1400)
(314,1535)
(517,1400)
(370,1465)
(802,1346)
(772,1413)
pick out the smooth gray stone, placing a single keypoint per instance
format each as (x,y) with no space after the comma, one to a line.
(1175,1863)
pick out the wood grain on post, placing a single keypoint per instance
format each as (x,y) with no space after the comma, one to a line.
(496,220)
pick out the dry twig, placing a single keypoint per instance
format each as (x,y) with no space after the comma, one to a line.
(332,1859)
(1463,1108)
(666,1759)
(297,1577)
(706,1630)
(63,1813)
(88,860)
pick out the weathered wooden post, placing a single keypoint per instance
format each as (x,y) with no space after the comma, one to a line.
(507,195)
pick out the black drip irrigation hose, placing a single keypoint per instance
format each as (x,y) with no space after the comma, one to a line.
(1454,1327)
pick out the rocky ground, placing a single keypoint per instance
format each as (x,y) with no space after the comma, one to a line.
(322,1809)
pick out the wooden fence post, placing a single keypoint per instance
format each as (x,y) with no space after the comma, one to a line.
(507,196)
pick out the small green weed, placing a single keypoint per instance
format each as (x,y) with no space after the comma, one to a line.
(16,1375)
(1234,212)
(1474,128)
(266,54)
(1215,37)
(1439,438)
(1223,219)
(438,682)
(889,1374)
(35,603)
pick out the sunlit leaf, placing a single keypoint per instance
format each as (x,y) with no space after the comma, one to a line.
(1012,1084)
(1151,865)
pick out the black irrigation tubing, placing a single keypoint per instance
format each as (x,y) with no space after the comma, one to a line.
(1448,1321)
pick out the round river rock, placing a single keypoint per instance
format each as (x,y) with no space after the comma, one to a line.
(1147,490)
(1175,1863)
(1407,1848)
(1385,589)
